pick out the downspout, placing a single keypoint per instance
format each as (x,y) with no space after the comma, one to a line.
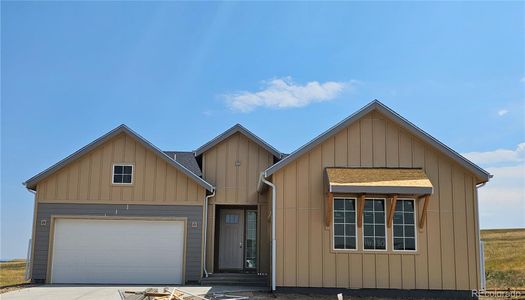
(29,264)
(478,232)
(205,228)
(263,179)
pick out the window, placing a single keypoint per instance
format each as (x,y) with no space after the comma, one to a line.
(231,219)
(344,224)
(404,225)
(374,225)
(250,254)
(122,174)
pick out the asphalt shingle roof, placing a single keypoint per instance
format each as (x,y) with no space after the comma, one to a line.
(187,159)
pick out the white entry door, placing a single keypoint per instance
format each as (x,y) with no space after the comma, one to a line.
(117,251)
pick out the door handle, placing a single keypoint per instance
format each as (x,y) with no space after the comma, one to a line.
(240,245)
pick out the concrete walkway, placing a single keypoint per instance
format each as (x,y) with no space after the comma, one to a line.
(107,292)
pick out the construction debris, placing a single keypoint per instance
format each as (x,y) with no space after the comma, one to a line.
(173,294)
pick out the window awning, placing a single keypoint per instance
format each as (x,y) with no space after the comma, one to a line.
(378,181)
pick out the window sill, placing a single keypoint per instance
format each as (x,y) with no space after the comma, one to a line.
(123,184)
(384,252)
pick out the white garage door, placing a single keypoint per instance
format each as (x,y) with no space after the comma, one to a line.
(117,251)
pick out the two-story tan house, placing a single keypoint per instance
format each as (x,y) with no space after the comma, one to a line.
(372,203)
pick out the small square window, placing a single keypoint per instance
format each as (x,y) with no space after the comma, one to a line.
(122,174)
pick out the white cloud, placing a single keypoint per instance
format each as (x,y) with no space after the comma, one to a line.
(498,157)
(284,93)
(502,199)
(502,112)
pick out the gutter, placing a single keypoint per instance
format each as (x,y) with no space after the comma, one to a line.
(205,228)
(269,183)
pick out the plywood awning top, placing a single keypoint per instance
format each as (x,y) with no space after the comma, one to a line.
(378,181)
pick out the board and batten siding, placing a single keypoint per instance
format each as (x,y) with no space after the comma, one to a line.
(447,254)
(89,178)
(233,166)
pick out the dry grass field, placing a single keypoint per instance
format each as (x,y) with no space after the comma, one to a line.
(504,257)
(12,272)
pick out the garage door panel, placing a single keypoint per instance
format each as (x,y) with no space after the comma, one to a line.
(117,251)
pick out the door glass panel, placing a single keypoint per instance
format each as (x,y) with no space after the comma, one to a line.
(232,219)
(251,240)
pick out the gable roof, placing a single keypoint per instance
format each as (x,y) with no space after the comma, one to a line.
(233,130)
(33,181)
(481,174)
(187,159)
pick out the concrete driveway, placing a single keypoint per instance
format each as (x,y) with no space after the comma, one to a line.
(104,292)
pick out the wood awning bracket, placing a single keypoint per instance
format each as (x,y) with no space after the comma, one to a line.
(393,201)
(329,208)
(360,208)
(423,217)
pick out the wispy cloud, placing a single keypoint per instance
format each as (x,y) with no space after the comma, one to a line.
(285,93)
(502,200)
(498,157)
(502,112)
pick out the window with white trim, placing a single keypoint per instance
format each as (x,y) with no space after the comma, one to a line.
(404,232)
(122,174)
(374,225)
(344,224)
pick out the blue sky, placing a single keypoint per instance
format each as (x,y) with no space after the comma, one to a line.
(180,73)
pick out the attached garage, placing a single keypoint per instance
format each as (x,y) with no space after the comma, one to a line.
(112,251)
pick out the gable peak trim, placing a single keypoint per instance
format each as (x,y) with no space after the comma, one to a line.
(237,128)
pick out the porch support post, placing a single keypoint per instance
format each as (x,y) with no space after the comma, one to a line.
(423,217)
(392,209)
(361,203)
(329,208)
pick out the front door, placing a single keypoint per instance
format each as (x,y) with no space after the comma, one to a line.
(231,238)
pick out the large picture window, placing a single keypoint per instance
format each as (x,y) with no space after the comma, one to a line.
(404,226)
(374,225)
(344,224)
